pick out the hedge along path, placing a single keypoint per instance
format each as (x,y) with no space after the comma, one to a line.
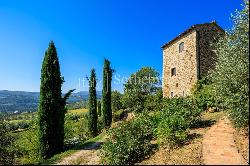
(219,147)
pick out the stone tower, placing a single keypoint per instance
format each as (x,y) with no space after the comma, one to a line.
(189,57)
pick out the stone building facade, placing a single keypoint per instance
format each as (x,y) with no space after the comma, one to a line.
(189,57)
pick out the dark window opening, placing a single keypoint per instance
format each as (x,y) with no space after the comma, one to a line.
(181,47)
(172,94)
(173,72)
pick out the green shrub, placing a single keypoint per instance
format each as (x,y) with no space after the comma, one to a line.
(77,128)
(154,101)
(129,142)
(173,123)
(185,108)
(7,149)
(19,124)
(203,94)
(172,130)
(116,102)
(28,142)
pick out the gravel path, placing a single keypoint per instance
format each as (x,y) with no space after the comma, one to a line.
(86,156)
(219,146)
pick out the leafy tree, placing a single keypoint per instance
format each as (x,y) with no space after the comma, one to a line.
(99,108)
(92,119)
(154,101)
(139,86)
(231,75)
(106,93)
(51,105)
(116,101)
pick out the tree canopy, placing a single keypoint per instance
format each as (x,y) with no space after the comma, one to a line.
(144,82)
(230,78)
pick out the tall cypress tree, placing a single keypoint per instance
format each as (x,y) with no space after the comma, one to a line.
(99,108)
(106,93)
(92,120)
(51,111)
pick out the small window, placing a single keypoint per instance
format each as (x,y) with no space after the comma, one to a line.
(183,93)
(172,94)
(176,84)
(173,72)
(181,47)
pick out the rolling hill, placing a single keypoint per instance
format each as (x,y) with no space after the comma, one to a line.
(21,101)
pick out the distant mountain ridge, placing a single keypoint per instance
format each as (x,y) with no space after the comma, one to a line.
(22,101)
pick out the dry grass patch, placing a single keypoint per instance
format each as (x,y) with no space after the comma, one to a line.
(241,138)
(188,154)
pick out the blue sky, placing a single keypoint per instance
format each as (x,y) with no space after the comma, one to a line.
(127,32)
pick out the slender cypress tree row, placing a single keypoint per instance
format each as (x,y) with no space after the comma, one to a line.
(92,120)
(99,108)
(106,94)
(51,110)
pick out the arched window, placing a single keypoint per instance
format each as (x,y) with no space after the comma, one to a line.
(181,47)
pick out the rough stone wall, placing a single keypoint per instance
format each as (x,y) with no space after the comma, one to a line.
(207,35)
(185,64)
(193,63)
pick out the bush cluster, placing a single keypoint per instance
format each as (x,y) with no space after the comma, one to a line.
(27,145)
(7,150)
(76,127)
(172,123)
(203,94)
(185,108)
(129,142)
(22,124)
